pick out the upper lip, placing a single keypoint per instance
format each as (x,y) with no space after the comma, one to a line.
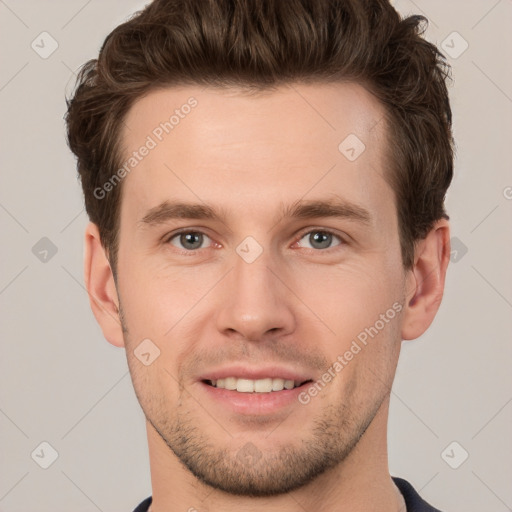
(255,373)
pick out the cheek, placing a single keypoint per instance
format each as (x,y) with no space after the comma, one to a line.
(350,302)
(156,387)
(367,353)
(349,298)
(155,299)
(169,309)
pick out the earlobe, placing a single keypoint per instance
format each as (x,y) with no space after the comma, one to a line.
(426,281)
(101,287)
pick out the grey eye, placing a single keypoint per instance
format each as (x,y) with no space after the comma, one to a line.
(320,239)
(190,240)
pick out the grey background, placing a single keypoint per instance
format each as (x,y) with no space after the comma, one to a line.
(64,384)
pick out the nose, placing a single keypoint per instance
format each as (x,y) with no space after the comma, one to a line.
(256,304)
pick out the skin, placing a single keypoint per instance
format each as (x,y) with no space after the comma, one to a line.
(299,304)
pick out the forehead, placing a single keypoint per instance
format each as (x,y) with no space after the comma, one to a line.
(238,149)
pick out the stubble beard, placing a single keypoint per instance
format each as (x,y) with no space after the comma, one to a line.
(251,469)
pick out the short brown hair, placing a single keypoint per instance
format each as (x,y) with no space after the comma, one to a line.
(258,45)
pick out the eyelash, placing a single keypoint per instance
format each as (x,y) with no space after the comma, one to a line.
(342,240)
(322,230)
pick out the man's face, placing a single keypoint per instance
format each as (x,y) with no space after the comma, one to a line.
(249,279)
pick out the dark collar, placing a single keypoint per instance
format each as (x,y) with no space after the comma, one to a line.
(412,499)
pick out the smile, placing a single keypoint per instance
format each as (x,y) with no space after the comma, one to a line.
(265,385)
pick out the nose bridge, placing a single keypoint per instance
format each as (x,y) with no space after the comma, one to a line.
(254,282)
(255,301)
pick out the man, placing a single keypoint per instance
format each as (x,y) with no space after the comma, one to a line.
(265,183)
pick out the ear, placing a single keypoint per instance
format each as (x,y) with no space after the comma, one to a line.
(425,281)
(101,287)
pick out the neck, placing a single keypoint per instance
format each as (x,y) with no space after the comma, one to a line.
(359,483)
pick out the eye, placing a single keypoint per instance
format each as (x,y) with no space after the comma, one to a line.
(320,239)
(189,240)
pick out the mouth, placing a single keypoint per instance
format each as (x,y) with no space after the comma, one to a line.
(264,392)
(264,385)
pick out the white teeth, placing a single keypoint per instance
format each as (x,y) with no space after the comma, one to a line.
(230,383)
(263,385)
(254,386)
(277,384)
(245,386)
(288,384)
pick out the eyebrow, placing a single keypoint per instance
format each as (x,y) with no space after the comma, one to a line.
(330,208)
(167,211)
(300,209)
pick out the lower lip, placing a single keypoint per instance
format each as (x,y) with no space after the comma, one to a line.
(254,403)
